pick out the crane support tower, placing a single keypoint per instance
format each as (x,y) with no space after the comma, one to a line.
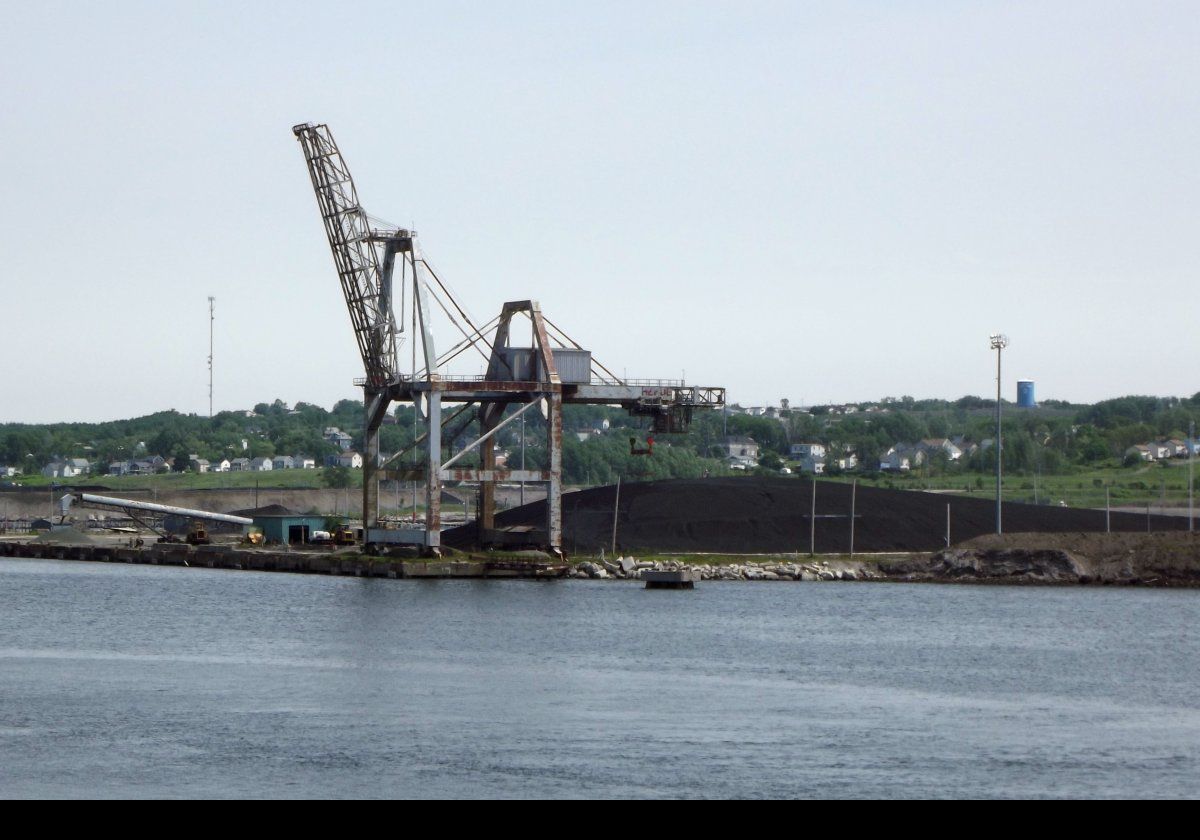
(553,371)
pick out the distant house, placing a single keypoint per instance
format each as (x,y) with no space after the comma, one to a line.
(931,446)
(200,465)
(338,438)
(260,465)
(847,463)
(350,459)
(1159,451)
(1179,448)
(812,466)
(7,471)
(68,468)
(54,469)
(303,462)
(895,459)
(220,466)
(741,449)
(283,462)
(1142,451)
(966,447)
(815,451)
(239,465)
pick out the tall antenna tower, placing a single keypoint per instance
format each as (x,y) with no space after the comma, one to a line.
(211,318)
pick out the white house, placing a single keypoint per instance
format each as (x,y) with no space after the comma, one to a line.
(743,450)
(931,446)
(239,465)
(812,466)
(220,466)
(895,460)
(283,462)
(303,462)
(350,459)
(814,451)
(260,465)
(1159,451)
(68,468)
(1141,451)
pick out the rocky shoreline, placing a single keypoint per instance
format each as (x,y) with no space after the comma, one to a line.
(1089,559)
(1158,560)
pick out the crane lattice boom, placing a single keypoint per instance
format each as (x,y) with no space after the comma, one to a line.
(363,256)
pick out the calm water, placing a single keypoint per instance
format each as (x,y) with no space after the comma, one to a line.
(145,681)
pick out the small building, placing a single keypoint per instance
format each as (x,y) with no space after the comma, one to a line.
(283,462)
(303,462)
(288,528)
(200,465)
(740,448)
(239,465)
(812,466)
(351,460)
(220,466)
(338,438)
(260,465)
(931,446)
(801,451)
(1142,451)
(895,460)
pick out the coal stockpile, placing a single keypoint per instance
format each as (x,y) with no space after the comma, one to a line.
(763,516)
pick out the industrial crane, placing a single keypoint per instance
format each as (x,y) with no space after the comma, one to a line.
(553,371)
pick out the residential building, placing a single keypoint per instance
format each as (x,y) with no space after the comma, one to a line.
(339,438)
(1142,451)
(740,450)
(931,446)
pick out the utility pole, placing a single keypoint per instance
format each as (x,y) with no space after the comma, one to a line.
(211,318)
(812,521)
(998,342)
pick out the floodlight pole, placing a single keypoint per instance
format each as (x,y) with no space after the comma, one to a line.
(211,318)
(998,342)
(1191,468)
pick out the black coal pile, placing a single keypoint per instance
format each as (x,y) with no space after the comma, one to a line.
(762,516)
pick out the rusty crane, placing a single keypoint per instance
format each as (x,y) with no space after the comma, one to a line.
(552,371)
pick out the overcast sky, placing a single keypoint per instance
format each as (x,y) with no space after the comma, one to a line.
(824,202)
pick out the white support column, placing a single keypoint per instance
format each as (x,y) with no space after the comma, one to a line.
(433,479)
(554,496)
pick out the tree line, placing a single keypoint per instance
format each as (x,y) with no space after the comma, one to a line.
(1053,438)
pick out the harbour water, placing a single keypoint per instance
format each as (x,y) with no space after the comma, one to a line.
(137,681)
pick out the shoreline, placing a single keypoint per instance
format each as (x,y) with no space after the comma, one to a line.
(1155,560)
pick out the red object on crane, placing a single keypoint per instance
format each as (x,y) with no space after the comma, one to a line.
(634,449)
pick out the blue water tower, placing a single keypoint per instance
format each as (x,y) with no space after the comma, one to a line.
(1025,397)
